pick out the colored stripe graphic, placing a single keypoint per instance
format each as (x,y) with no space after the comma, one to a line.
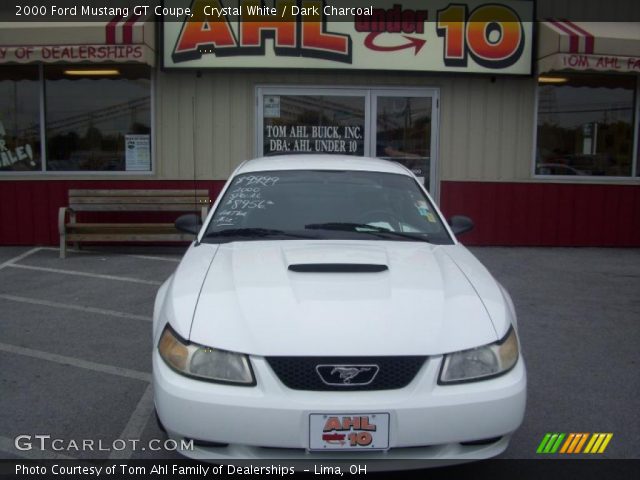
(543,443)
(598,443)
(591,442)
(581,443)
(550,443)
(556,445)
(567,443)
(577,437)
(606,442)
(573,443)
(577,440)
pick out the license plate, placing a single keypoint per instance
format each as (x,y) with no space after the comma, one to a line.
(361,431)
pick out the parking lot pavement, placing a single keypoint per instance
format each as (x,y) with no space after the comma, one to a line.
(75,338)
(75,345)
(578,317)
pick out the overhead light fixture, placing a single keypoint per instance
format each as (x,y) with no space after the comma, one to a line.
(92,72)
(543,79)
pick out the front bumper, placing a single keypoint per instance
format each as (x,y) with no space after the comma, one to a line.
(427,421)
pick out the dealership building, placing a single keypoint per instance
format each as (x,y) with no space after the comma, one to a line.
(529,127)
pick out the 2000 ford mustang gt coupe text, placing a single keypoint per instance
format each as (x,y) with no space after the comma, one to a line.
(326,310)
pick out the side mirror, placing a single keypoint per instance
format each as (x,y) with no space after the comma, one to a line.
(189,223)
(460,224)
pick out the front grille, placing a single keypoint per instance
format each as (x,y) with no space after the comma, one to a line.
(299,373)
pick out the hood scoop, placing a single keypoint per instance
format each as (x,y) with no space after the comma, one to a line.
(337,268)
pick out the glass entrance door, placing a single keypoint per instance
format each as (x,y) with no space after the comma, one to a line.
(404,130)
(398,124)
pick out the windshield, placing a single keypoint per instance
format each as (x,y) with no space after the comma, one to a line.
(321,204)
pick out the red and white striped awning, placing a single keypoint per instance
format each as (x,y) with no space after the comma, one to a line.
(120,40)
(589,46)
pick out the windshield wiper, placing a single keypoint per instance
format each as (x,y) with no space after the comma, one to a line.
(254,233)
(368,229)
(345,227)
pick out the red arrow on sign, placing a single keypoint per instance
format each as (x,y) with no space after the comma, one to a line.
(416,43)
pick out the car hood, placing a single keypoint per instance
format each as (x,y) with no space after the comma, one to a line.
(422,304)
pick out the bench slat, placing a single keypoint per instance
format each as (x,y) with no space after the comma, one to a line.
(124,231)
(81,226)
(136,193)
(151,200)
(130,237)
(142,207)
(99,229)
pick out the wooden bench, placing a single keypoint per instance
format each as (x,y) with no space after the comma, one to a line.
(127,201)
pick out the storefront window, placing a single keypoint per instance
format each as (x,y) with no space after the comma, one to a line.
(98,118)
(19,119)
(313,124)
(585,125)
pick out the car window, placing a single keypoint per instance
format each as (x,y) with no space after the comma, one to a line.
(329,204)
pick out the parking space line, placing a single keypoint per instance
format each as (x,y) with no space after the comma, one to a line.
(135,426)
(101,311)
(85,274)
(150,257)
(11,261)
(76,362)
(146,257)
(7,445)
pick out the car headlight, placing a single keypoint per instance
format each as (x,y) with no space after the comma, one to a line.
(204,363)
(482,362)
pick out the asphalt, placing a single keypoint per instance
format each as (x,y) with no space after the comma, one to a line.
(75,344)
(579,324)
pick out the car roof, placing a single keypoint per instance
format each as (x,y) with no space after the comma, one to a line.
(321,162)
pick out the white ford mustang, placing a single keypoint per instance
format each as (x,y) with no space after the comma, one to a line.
(326,311)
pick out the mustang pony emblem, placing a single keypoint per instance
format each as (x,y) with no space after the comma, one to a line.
(349,373)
